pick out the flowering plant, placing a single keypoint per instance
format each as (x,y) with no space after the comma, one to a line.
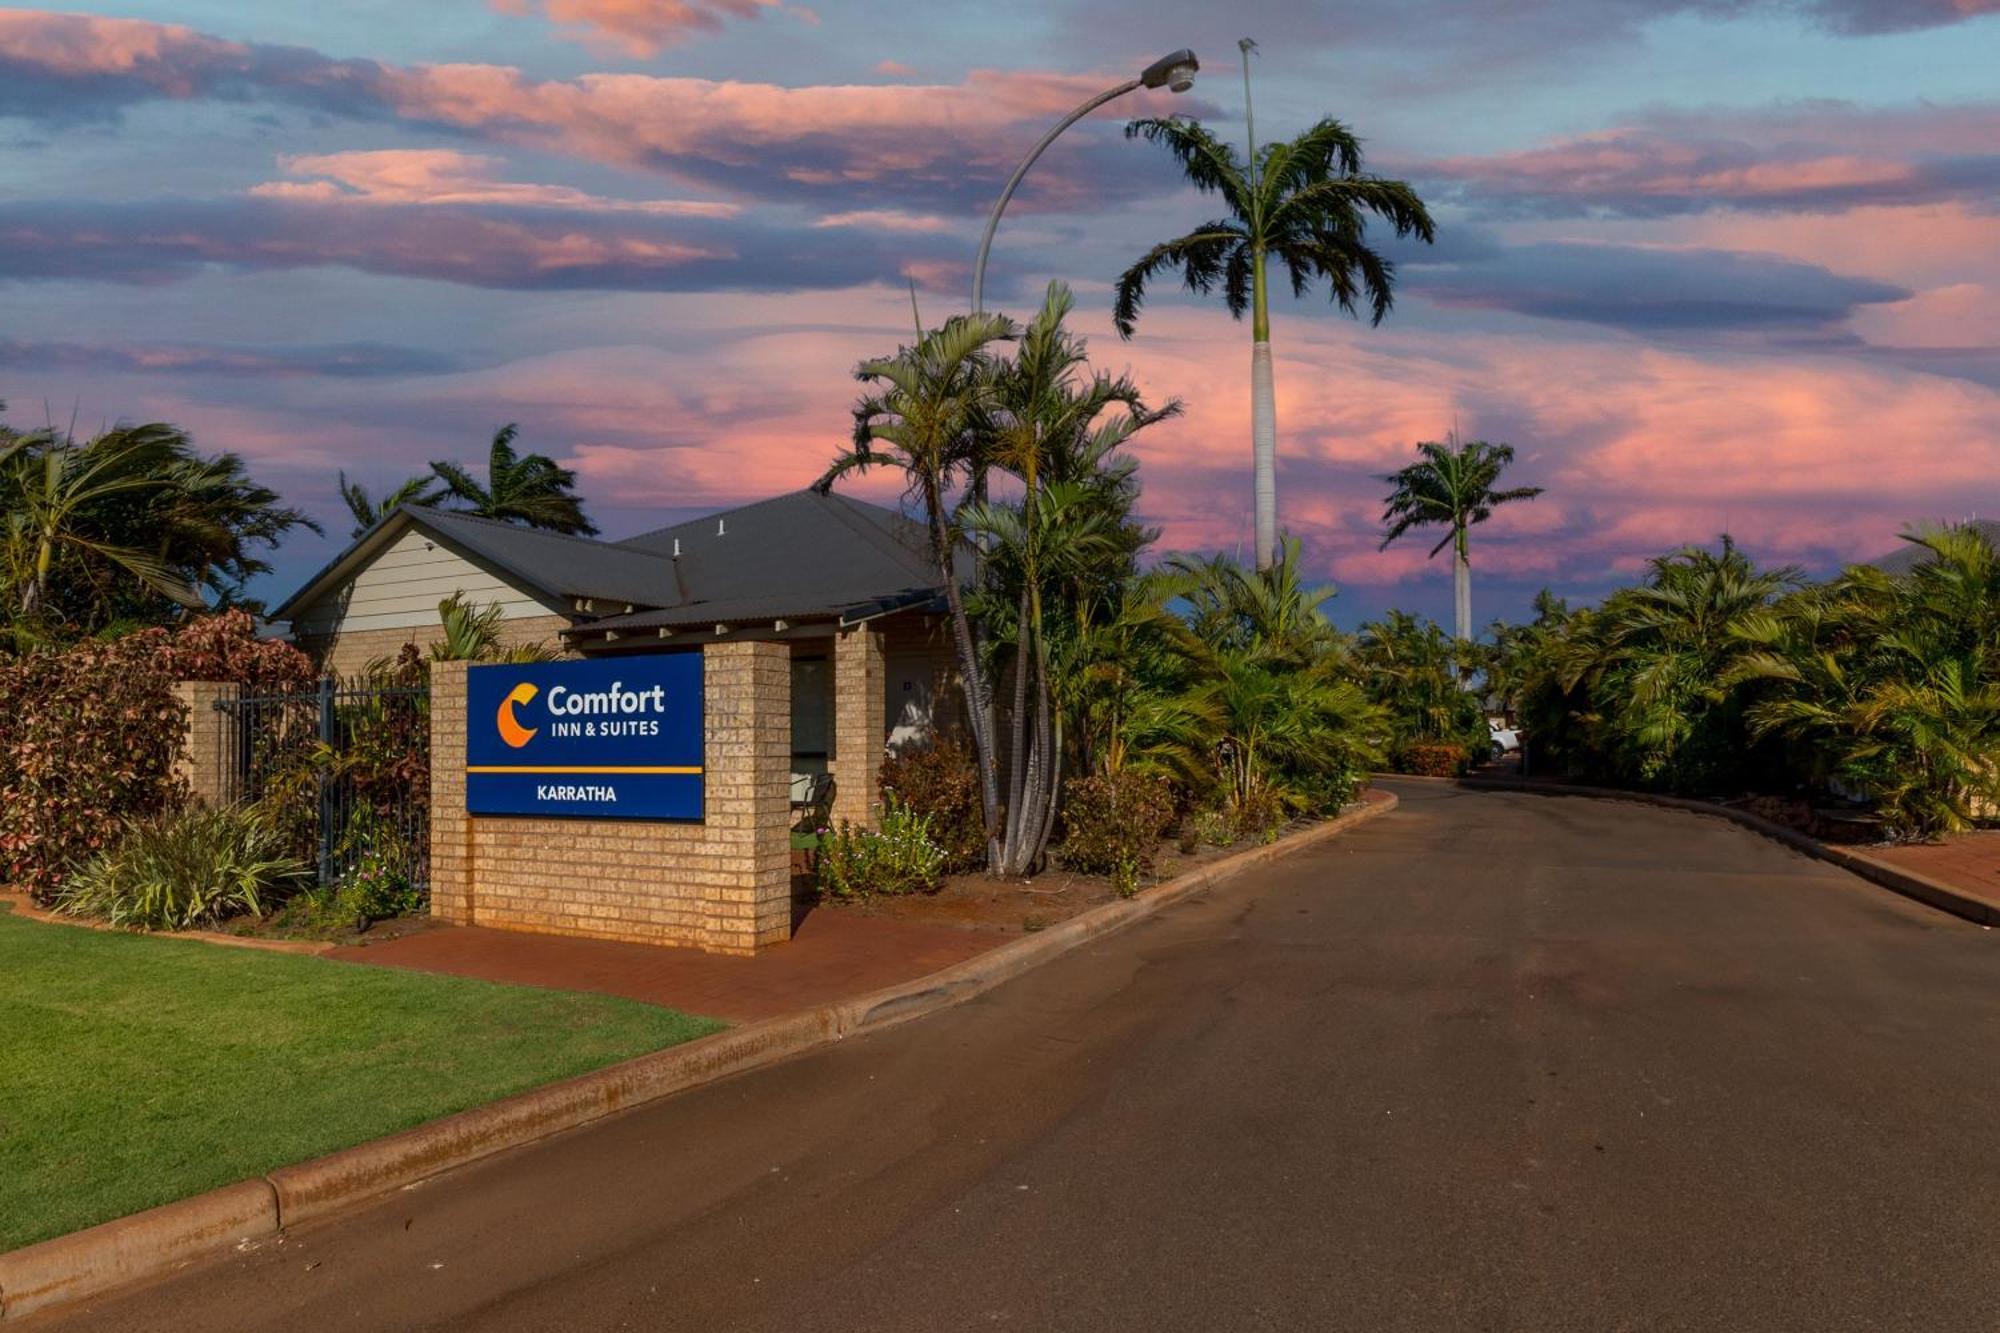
(901,858)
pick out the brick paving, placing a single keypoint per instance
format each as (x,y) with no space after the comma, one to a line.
(1969,861)
(834,955)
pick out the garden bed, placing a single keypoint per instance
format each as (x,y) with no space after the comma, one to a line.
(140,1070)
(1022,906)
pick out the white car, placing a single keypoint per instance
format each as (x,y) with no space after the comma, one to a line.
(1506,739)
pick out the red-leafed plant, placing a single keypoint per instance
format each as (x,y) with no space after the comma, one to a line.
(90,732)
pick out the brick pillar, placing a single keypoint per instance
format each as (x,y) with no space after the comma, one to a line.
(748,754)
(451,828)
(210,748)
(860,723)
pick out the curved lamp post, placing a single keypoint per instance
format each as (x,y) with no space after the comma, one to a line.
(1175,72)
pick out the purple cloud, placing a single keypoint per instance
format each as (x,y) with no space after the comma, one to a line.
(339,360)
(1650,290)
(1816,156)
(527,249)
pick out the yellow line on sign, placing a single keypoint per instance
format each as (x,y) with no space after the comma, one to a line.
(538,768)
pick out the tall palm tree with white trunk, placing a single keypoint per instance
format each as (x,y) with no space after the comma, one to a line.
(1306,203)
(1451,486)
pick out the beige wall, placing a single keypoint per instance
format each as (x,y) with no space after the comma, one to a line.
(723,885)
(394,600)
(926,639)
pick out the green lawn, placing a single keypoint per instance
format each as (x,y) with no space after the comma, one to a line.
(134,1071)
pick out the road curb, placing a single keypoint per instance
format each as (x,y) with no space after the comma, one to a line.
(91,1262)
(84,1263)
(1923,888)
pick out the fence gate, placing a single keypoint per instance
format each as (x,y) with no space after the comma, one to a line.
(345,771)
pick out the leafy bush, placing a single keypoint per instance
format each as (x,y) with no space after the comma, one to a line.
(376,890)
(89,735)
(183,869)
(1328,793)
(939,782)
(1433,760)
(1259,816)
(902,858)
(1114,824)
(1213,828)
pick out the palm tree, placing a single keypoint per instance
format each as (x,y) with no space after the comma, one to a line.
(1295,728)
(924,415)
(1661,662)
(368,512)
(470,632)
(528,489)
(1416,672)
(1271,609)
(56,493)
(1891,684)
(1305,202)
(1453,486)
(1055,428)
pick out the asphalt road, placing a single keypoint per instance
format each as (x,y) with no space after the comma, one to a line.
(1492,1062)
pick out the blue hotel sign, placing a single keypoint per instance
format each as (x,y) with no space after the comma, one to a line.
(608,739)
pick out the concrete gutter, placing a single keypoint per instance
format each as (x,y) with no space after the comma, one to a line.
(87,1263)
(1924,888)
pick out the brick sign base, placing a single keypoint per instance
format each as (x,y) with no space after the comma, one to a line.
(723,885)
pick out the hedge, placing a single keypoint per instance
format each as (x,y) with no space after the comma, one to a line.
(90,732)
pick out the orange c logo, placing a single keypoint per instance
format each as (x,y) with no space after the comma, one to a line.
(511,731)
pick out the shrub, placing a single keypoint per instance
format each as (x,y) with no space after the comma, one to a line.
(1259,816)
(902,858)
(1212,827)
(940,782)
(1431,759)
(1114,825)
(1328,793)
(90,732)
(187,868)
(376,890)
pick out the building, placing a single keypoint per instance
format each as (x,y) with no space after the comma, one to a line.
(849,587)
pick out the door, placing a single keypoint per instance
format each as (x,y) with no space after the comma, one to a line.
(910,682)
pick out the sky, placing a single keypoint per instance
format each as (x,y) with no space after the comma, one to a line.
(1708,265)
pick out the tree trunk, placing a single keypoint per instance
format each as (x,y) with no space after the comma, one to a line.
(1461,595)
(976,698)
(1263,418)
(1264,444)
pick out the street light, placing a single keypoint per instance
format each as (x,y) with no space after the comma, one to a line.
(1174,73)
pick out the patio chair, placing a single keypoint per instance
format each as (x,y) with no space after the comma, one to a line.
(815,811)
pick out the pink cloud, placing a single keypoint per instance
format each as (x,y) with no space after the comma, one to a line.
(936,141)
(1820,155)
(1643,164)
(175,61)
(859,132)
(642,27)
(438,176)
(886,219)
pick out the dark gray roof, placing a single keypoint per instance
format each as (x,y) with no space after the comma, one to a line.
(570,567)
(824,550)
(796,556)
(1909,555)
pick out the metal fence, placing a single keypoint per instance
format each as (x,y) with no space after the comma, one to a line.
(344,770)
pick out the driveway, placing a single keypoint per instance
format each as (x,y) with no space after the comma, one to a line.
(1496,1061)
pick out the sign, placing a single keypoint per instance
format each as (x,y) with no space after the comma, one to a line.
(607,739)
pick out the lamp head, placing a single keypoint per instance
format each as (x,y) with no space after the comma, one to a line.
(1174,72)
